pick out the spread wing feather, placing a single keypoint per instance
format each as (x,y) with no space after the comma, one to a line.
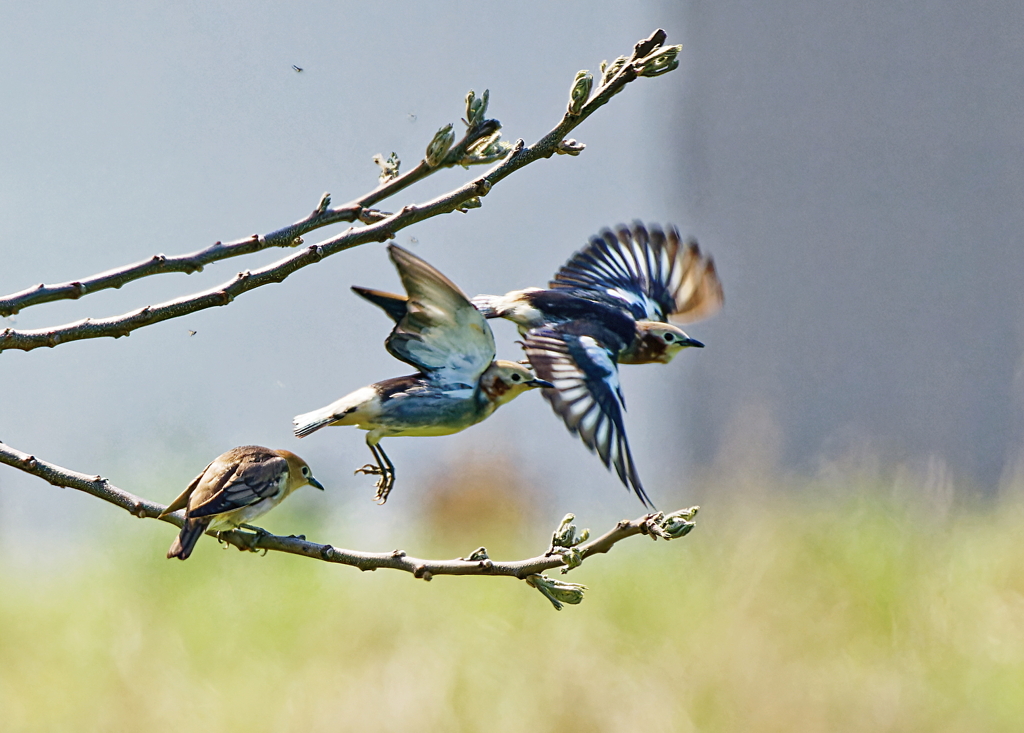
(654,275)
(586,395)
(441,332)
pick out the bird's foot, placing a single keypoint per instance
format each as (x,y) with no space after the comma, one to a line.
(371,469)
(260,534)
(384,485)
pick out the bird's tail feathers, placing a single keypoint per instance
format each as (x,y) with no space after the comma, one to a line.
(190,533)
(488,305)
(310,422)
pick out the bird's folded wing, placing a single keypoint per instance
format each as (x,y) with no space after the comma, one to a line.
(233,485)
(441,332)
(652,274)
(586,394)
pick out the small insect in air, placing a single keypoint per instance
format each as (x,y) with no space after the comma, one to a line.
(413,240)
(191,332)
(412,117)
(297,68)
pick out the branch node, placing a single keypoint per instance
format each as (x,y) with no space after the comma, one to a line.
(139,509)
(223,296)
(315,252)
(30,462)
(483,186)
(327,552)
(398,553)
(421,572)
(77,290)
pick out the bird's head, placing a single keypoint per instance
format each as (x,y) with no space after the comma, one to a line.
(299,473)
(657,342)
(505,380)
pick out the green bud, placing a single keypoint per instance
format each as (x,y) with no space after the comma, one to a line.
(562,537)
(673,526)
(476,107)
(580,92)
(388,168)
(557,591)
(572,557)
(569,146)
(325,201)
(439,146)
(610,70)
(471,203)
(660,62)
(482,143)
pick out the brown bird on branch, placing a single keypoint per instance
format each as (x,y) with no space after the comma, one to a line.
(237,487)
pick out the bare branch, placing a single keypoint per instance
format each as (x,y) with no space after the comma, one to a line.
(654,525)
(478,146)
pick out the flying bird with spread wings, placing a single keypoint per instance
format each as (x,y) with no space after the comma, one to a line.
(459,383)
(616,301)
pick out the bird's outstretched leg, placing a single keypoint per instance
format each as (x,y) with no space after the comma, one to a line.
(383,468)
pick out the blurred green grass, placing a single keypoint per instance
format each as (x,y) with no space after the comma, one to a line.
(795,611)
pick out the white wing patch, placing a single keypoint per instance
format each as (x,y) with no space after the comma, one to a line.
(587,395)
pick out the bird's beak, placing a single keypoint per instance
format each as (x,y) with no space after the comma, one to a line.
(540,383)
(313,482)
(692,342)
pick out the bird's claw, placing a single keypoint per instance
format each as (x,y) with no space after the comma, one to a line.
(370,469)
(384,484)
(260,534)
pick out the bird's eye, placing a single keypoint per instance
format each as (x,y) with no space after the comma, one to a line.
(516,377)
(669,337)
(305,471)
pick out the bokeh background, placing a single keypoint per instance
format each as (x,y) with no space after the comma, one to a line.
(853,430)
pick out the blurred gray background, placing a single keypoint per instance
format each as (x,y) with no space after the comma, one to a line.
(854,169)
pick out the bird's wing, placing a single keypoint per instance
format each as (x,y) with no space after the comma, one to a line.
(235,483)
(396,306)
(441,333)
(182,501)
(587,395)
(652,274)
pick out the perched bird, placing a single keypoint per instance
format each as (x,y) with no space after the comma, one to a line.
(610,304)
(238,486)
(458,384)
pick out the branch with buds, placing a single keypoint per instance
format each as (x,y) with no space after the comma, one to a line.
(568,548)
(481,144)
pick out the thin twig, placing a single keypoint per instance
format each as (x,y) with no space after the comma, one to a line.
(650,524)
(289,236)
(380,227)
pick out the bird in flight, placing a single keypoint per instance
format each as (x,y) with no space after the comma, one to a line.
(616,301)
(236,488)
(438,331)
(298,69)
